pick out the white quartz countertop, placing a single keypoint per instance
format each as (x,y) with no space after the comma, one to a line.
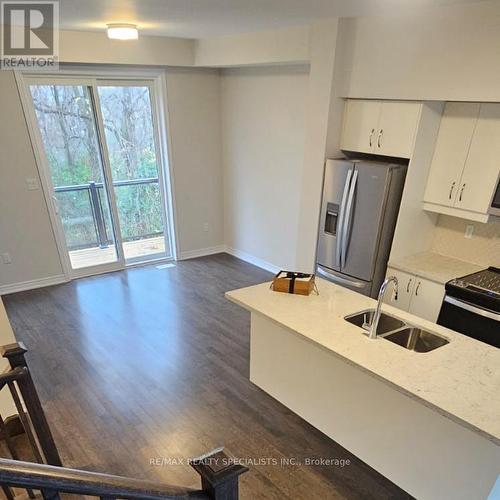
(460,380)
(434,266)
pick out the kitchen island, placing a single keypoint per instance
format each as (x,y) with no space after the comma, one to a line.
(430,422)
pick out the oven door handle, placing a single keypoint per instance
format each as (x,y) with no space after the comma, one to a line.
(473,309)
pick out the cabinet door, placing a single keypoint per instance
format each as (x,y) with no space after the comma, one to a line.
(427,299)
(479,178)
(406,284)
(359,131)
(452,145)
(396,128)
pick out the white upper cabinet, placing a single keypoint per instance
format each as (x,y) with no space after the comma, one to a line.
(396,128)
(482,167)
(360,128)
(450,153)
(466,162)
(380,127)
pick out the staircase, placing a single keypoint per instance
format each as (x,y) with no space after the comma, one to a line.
(47,478)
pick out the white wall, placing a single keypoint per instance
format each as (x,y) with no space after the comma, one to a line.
(263,117)
(451,53)
(289,45)
(193,99)
(96,48)
(25,230)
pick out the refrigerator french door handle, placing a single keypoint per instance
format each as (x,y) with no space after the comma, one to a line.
(347,218)
(341,217)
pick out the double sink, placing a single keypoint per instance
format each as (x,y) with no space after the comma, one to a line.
(397,331)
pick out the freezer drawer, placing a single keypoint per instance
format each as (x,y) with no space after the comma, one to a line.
(360,286)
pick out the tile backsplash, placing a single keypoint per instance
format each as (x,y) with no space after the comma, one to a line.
(482,249)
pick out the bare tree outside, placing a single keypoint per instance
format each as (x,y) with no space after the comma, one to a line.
(129,133)
(67,125)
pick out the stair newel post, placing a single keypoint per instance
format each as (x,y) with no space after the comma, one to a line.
(14,353)
(219,474)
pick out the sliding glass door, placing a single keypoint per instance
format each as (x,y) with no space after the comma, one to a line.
(99,142)
(129,129)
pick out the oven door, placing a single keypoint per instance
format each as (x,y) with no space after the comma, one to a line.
(473,321)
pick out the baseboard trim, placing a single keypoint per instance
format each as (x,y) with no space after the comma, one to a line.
(192,254)
(32,284)
(251,259)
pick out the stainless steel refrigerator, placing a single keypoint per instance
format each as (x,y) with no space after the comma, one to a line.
(359,209)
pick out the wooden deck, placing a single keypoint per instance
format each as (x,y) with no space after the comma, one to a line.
(95,256)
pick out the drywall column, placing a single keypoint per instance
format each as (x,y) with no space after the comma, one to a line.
(323,38)
(193,100)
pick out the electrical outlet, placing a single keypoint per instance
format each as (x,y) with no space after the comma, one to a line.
(205,227)
(469,231)
(6,258)
(32,184)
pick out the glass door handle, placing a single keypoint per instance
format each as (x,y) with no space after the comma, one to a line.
(56,203)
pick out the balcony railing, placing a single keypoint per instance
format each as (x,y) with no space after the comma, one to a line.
(86,219)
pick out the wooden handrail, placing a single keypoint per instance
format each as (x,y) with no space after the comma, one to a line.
(65,480)
(12,375)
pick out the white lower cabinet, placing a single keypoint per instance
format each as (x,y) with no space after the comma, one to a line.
(416,295)
(406,282)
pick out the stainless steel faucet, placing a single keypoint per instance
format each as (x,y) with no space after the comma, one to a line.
(381,293)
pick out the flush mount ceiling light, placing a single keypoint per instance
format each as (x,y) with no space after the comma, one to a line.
(123,31)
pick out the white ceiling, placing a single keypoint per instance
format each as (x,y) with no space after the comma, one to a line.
(206,18)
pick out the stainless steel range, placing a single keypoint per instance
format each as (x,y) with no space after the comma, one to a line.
(472,306)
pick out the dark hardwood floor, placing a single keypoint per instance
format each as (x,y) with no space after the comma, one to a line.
(153,363)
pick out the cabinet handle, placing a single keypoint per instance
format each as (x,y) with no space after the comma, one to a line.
(408,285)
(461,192)
(417,289)
(451,190)
(371,137)
(379,139)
